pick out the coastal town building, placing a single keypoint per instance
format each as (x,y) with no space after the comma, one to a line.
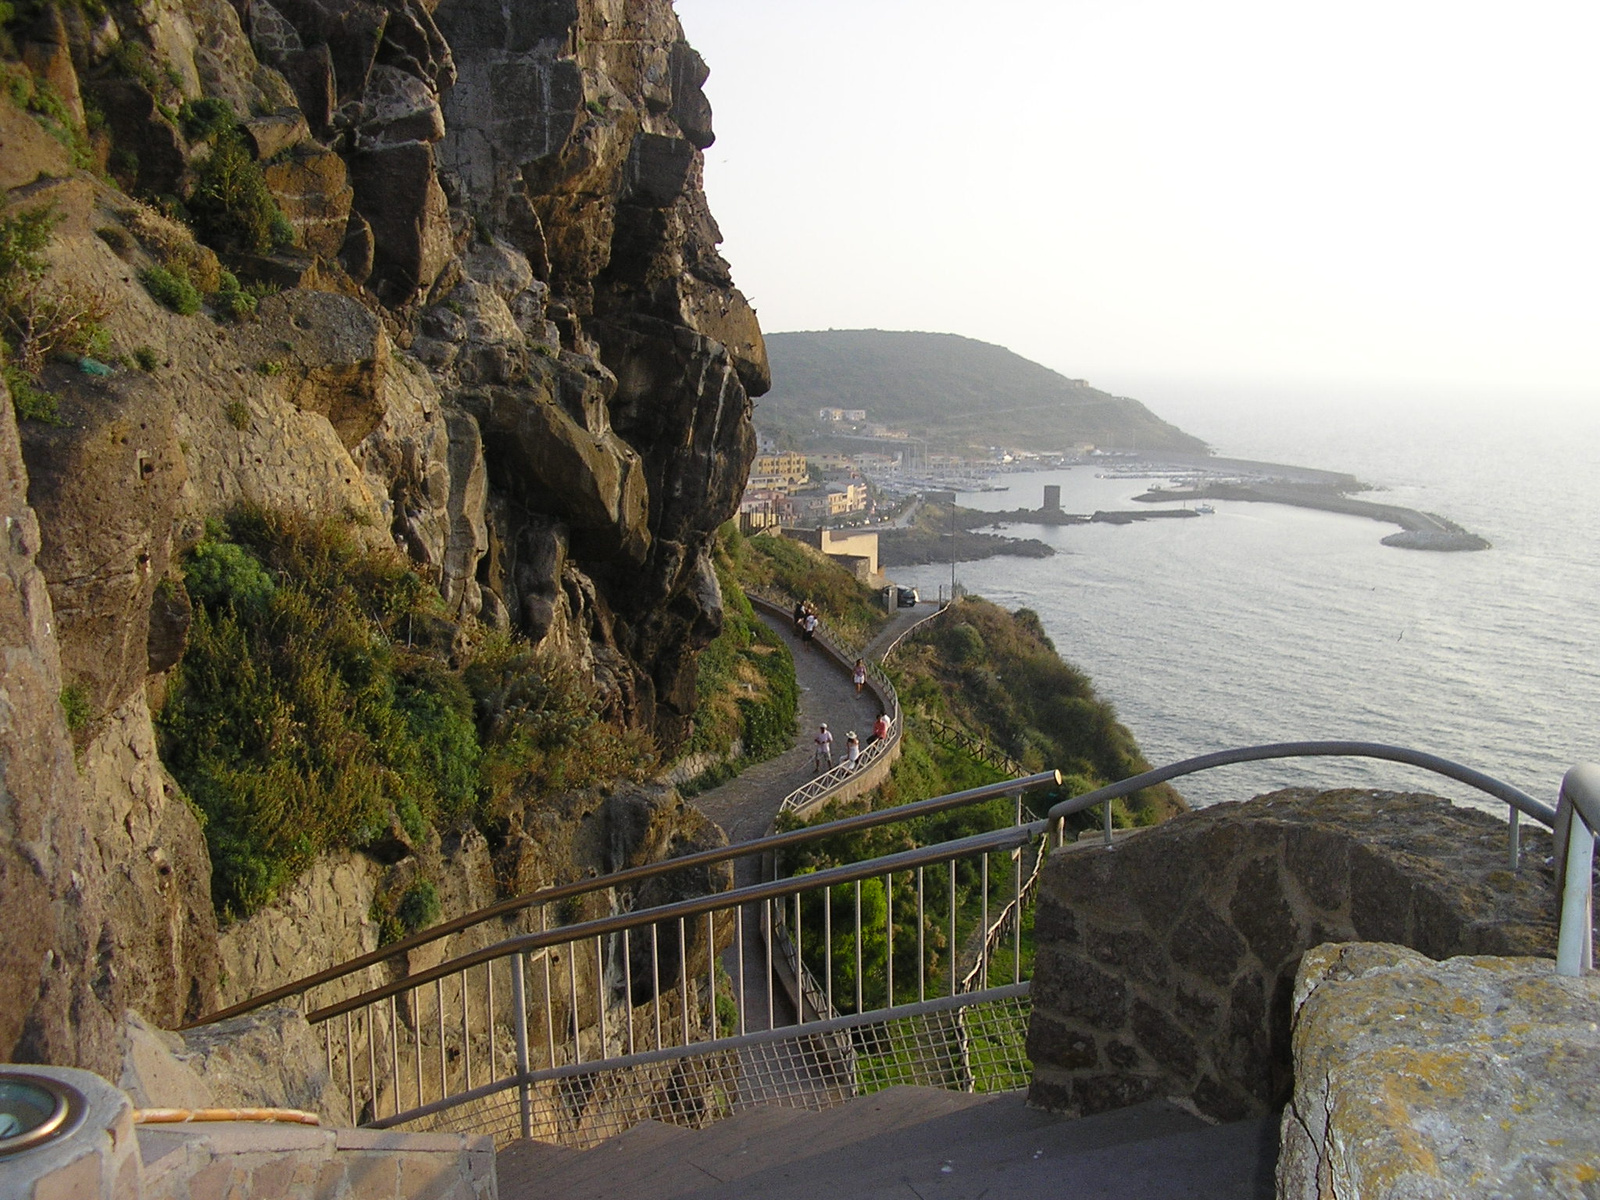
(854,549)
(853,416)
(763,508)
(783,472)
(851,497)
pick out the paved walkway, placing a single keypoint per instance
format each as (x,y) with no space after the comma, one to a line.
(745,806)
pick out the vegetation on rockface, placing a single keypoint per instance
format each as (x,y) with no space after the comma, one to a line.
(39,318)
(172,289)
(323,701)
(231,205)
(746,693)
(405,911)
(844,604)
(41,101)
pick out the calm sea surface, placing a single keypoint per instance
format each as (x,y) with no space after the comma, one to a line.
(1265,623)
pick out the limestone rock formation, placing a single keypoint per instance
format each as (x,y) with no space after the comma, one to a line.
(502,340)
(1166,967)
(1463,1078)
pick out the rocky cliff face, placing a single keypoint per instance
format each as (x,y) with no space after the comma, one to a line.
(504,340)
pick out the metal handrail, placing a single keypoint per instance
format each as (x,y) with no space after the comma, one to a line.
(1579,803)
(529,943)
(1001,925)
(700,858)
(402,1004)
(1515,797)
(836,777)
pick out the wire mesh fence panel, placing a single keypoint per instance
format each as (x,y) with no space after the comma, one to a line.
(977,1046)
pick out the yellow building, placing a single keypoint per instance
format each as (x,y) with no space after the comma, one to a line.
(779,472)
(852,498)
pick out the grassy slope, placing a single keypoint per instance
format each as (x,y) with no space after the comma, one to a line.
(746,695)
(998,675)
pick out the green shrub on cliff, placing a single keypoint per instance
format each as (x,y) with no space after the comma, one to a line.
(323,701)
(541,726)
(293,722)
(41,319)
(172,289)
(997,675)
(231,205)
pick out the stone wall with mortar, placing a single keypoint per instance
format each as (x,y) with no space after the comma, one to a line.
(255,1161)
(1165,966)
(1473,1077)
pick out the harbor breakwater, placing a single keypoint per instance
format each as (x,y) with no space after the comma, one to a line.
(1418,530)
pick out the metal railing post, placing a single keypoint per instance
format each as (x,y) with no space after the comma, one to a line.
(519,1003)
(1515,838)
(1578,816)
(1107,807)
(1575,943)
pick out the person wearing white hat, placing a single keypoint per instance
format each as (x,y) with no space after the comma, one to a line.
(852,749)
(822,760)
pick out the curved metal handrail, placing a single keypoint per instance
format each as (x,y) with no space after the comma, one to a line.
(1516,797)
(528,943)
(1579,803)
(836,777)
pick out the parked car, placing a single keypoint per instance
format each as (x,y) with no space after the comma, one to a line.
(906,597)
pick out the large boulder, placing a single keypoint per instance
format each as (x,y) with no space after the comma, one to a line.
(1472,1077)
(313,190)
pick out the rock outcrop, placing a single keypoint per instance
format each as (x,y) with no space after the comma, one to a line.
(1165,967)
(1472,1077)
(269,1059)
(502,340)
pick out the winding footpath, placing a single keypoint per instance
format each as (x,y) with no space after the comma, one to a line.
(745,806)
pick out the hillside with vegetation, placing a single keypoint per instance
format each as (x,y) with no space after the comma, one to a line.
(996,677)
(958,393)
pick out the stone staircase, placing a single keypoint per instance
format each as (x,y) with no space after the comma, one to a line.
(911,1143)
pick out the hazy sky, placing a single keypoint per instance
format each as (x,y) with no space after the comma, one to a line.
(1402,193)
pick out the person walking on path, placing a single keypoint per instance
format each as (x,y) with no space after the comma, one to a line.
(822,759)
(852,749)
(860,675)
(808,627)
(880,728)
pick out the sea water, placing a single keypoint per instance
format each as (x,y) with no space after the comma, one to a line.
(1265,623)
